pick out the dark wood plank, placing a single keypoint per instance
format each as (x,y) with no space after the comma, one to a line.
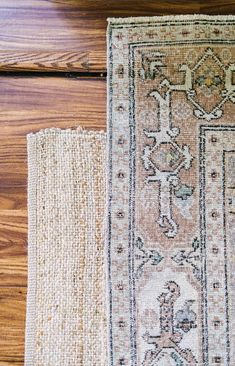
(70,35)
(12,324)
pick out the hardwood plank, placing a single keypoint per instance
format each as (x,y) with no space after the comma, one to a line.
(39,61)
(50,92)
(14,272)
(12,323)
(70,25)
(11,363)
(13,198)
(31,103)
(13,247)
(70,35)
(13,162)
(217,7)
(17,123)
(13,226)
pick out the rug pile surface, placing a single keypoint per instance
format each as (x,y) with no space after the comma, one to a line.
(172,179)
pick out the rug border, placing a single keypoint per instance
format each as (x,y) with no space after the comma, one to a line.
(156,18)
(113,24)
(30,328)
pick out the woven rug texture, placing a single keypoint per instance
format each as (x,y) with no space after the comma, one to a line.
(66,294)
(171,136)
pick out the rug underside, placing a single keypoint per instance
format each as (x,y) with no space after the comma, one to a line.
(170,241)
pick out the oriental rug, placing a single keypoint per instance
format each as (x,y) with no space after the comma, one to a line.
(171,201)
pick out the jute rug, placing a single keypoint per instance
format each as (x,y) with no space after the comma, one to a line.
(171,191)
(66,299)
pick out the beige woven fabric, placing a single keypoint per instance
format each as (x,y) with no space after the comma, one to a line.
(66,197)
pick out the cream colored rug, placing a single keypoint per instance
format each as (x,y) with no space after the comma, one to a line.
(168,266)
(66,299)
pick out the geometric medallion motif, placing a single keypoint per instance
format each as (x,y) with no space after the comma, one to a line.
(171,192)
(209,84)
(171,334)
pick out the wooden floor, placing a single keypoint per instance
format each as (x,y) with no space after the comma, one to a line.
(52,73)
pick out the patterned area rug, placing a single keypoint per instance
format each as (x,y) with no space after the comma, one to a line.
(171,191)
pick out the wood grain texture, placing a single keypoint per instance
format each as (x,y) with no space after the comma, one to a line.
(31,103)
(12,323)
(13,247)
(40,61)
(62,35)
(11,363)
